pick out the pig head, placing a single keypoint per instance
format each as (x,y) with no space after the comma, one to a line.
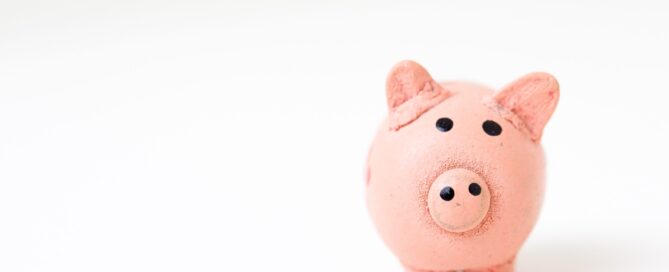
(456,172)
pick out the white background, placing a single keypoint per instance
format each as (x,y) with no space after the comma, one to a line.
(231,136)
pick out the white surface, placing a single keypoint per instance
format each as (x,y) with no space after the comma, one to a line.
(220,136)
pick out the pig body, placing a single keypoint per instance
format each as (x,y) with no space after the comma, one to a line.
(456,172)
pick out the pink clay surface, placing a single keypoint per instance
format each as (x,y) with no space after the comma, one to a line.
(411,162)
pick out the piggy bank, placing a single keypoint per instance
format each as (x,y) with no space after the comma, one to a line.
(455,175)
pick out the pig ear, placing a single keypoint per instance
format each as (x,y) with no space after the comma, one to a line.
(531,100)
(411,91)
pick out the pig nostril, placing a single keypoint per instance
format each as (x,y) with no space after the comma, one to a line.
(474,189)
(447,193)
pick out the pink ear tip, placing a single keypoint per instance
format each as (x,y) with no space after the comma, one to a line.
(554,89)
(404,81)
(550,83)
(546,77)
(406,64)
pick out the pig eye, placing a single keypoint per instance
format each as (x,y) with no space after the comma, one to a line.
(492,128)
(444,124)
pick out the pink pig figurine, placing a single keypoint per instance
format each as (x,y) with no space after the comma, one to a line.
(455,175)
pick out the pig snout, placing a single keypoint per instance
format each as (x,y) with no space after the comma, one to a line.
(458,200)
